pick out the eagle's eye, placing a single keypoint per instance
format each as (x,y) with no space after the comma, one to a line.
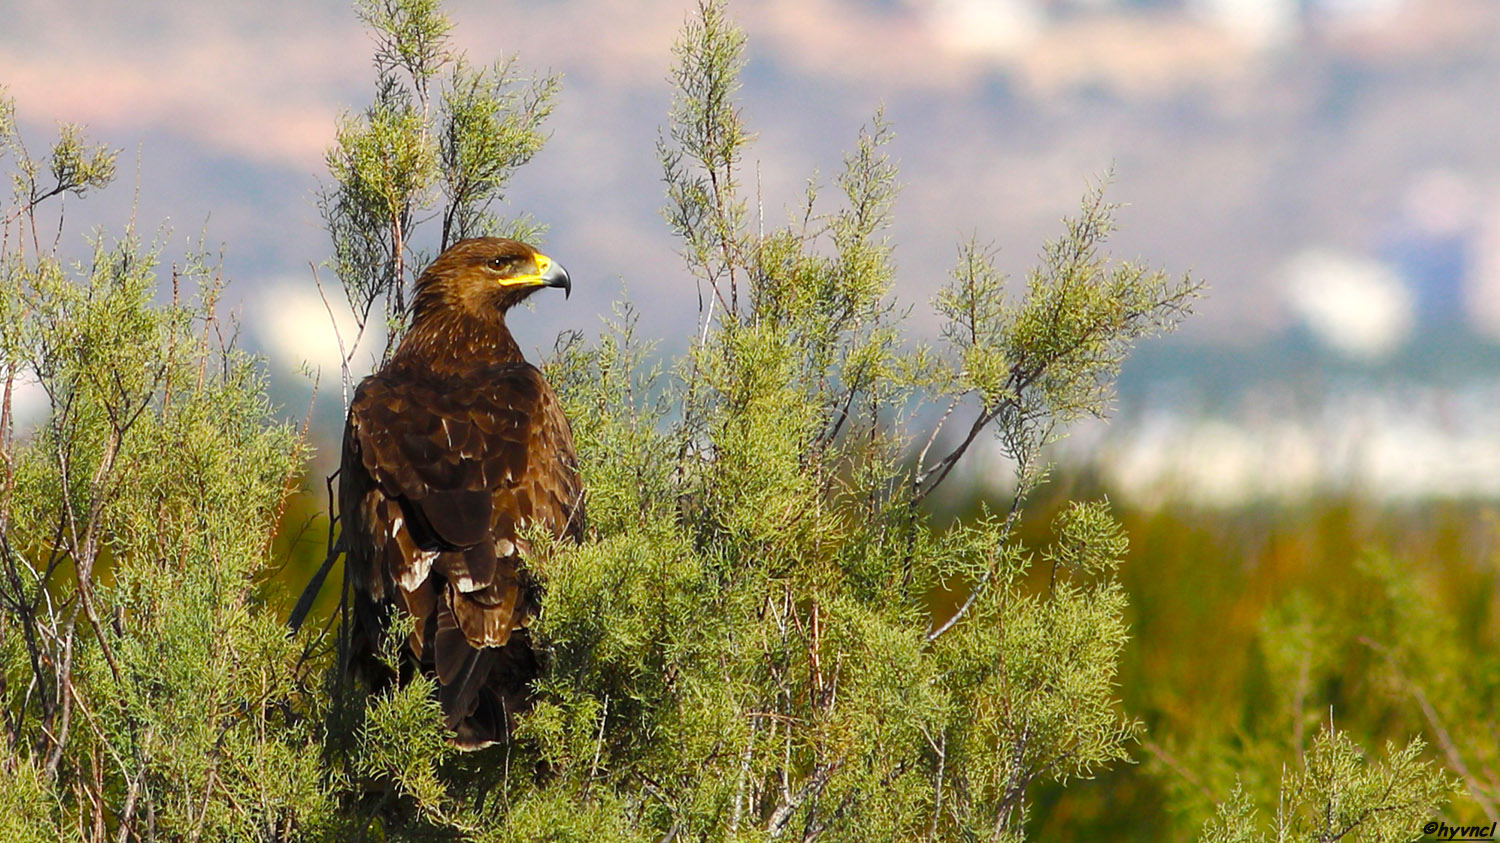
(501,261)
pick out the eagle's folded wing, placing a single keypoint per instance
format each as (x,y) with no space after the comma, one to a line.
(440,480)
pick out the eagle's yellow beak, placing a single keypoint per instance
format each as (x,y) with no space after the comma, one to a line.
(549,273)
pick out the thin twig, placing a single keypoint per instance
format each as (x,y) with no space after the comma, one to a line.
(128,812)
(315,585)
(1450,750)
(599,739)
(936,429)
(789,803)
(310,593)
(1177,767)
(1010,518)
(743,780)
(941,748)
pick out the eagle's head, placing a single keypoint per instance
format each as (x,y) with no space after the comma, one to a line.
(486,275)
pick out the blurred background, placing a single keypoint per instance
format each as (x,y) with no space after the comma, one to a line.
(1330,167)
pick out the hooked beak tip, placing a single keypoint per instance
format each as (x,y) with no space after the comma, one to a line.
(556,276)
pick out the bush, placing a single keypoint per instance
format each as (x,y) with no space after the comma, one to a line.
(754,641)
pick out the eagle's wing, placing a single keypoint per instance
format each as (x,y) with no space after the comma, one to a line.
(438,479)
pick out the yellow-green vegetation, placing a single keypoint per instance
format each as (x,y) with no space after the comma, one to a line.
(1252,631)
(768,633)
(143,693)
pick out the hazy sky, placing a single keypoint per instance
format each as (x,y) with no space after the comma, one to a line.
(1243,135)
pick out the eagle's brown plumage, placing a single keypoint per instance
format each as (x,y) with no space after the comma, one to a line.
(450,449)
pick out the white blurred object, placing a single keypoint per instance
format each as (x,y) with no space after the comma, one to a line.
(29,404)
(986,28)
(1356,305)
(1259,22)
(1396,443)
(295,327)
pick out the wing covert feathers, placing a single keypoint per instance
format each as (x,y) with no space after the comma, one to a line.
(438,478)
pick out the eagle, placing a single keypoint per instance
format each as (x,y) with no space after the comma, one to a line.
(453,453)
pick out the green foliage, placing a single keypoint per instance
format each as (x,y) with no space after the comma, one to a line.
(417,152)
(1249,626)
(1035,675)
(705,140)
(490,127)
(74,165)
(29,805)
(402,740)
(1234,822)
(1052,357)
(1321,649)
(144,691)
(1340,795)
(411,37)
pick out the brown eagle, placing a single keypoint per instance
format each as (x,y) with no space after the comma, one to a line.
(450,450)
